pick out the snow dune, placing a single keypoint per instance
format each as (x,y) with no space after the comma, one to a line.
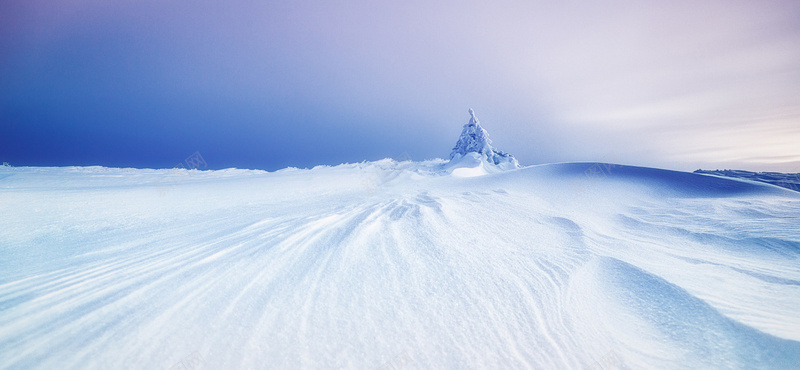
(397,265)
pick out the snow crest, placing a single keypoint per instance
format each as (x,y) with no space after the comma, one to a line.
(475,139)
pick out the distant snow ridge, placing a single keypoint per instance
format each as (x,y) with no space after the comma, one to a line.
(789,181)
(474,139)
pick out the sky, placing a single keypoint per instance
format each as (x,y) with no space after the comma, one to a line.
(260,84)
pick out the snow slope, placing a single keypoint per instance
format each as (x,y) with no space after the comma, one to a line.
(790,181)
(396,265)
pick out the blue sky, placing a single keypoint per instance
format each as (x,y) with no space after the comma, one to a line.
(253,84)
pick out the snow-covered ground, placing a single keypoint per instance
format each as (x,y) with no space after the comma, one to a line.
(397,265)
(790,181)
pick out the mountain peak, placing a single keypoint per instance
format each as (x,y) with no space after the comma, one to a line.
(474,139)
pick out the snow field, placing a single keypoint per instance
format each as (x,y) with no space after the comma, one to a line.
(402,265)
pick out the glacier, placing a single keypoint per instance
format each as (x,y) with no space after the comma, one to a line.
(397,264)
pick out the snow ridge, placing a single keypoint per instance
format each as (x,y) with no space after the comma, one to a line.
(475,139)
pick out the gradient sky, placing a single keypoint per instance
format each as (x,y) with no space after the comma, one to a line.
(259,84)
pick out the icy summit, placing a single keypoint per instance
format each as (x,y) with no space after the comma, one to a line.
(475,139)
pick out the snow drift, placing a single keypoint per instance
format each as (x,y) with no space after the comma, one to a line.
(397,265)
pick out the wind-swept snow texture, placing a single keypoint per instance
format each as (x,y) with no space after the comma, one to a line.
(396,265)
